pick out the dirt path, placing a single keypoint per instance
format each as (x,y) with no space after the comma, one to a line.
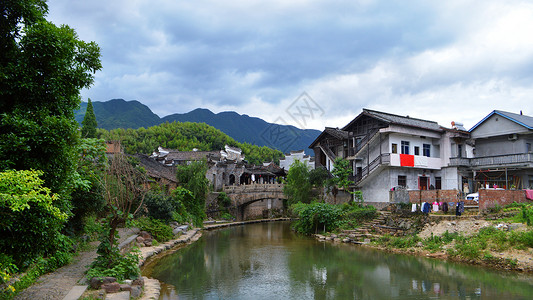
(57,284)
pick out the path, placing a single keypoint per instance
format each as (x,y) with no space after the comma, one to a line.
(58,284)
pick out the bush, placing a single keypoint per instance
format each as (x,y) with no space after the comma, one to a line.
(125,267)
(223,200)
(317,216)
(526,238)
(227,216)
(31,223)
(404,242)
(161,232)
(160,206)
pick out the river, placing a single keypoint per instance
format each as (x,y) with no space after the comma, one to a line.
(269,261)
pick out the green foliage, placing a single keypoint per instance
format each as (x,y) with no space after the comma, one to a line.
(527,214)
(526,238)
(399,242)
(341,174)
(298,186)
(318,177)
(88,129)
(185,137)
(87,197)
(38,267)
(160,206)
(223,200)
(125,267)
(160,231)
(30,223)
(227,216)
(192,178)
(354,214)
(316,216)
(43,69)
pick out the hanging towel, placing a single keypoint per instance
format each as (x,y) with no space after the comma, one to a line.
(435,207)
(529,194)
(413,207)
(407,160)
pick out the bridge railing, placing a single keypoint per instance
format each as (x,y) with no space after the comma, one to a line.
(253,188)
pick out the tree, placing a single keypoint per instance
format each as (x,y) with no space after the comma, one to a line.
(43,67)
(192,178)
(124,193)
(342,172)
(89,124)
(31,223)
(298,186)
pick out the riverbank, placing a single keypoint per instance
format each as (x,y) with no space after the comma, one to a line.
(457,240)
(150,255)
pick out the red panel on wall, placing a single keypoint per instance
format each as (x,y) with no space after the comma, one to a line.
(407,160)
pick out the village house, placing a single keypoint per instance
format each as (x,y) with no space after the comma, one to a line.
(225,167)
(391,152)
(300,155)
(388,151)
(503,155)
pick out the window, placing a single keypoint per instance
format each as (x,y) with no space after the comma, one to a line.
(459,150)
(405,147)
(438,183)
(528,147)
(402,180)
(394,148)
(417,150)
(427,150)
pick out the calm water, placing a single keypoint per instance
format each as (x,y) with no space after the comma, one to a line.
(269,261)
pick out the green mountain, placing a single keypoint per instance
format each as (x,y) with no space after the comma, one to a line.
(118,113)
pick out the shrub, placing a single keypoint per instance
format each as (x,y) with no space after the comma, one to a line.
(526,238)
(315,216)
(159,206)
(223,200)
(31,221)
(161,232)
(125,267)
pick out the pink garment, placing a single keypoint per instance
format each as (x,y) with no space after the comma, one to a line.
(529,194)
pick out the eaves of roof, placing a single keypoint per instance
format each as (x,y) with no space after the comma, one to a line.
(522,120)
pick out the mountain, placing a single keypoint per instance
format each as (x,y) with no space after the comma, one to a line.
(118,113)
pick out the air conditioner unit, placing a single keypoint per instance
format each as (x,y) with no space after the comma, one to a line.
(513,137)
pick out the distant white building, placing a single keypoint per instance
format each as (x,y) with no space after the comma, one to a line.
(297,155)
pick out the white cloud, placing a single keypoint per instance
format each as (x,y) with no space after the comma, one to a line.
(449,60)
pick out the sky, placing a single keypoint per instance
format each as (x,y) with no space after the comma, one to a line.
(311,63)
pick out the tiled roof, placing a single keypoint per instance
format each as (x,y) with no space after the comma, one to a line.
(337,133)
(403,120)
(192,155)
(155,169)
(334,132)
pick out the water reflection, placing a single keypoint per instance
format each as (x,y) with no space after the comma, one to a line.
(265,261)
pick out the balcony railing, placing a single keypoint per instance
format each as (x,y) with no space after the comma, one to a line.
(353,150)
(497,160)
(383,159)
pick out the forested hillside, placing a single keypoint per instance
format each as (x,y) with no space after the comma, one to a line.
(185,137)
(118,113)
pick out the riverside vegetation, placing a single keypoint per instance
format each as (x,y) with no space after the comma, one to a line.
(58,190)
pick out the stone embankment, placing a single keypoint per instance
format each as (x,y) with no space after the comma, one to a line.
(364,234)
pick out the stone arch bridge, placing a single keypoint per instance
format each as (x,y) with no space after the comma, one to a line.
(252,200)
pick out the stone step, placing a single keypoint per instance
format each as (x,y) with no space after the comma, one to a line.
(76,292)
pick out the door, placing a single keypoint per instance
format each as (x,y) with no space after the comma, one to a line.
(423,183)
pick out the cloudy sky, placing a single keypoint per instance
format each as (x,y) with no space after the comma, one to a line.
(278,60)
